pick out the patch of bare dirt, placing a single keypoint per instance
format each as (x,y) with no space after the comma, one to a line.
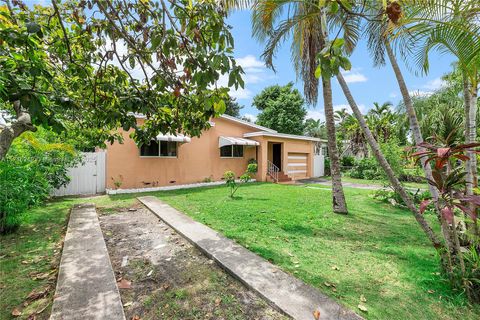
(162,276)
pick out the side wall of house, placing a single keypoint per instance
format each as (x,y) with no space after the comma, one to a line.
(196,161)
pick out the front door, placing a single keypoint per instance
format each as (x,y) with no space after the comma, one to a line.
(277,155)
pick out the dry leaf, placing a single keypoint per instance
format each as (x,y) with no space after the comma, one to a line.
(165,286)
(136,317)
(327,284)
(124,284)
(362,307)
(362,298)
(335,268)
(16,312)
(431,291)
(316,314)
(37,294)
(128,304)
(218,301)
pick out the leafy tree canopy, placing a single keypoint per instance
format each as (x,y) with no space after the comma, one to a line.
(89,66)
(282,109)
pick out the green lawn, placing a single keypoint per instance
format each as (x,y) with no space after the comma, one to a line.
(377,251)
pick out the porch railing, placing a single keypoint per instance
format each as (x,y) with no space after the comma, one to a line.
(272,170)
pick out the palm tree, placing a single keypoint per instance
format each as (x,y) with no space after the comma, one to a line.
(379,44)
(461,37)
(307,26)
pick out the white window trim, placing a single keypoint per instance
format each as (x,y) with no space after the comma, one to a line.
(232,157)
(159,156)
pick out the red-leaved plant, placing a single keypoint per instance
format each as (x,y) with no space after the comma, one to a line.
(449,174)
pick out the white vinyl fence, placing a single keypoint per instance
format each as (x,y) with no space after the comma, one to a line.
(319,160)
(87,178)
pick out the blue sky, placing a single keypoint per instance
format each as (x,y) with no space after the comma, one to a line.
(368,84)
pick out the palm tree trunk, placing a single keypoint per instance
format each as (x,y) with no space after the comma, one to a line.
(339,203)
(338,197)
(412,116)
(418,138)
(386,167)
(470,96)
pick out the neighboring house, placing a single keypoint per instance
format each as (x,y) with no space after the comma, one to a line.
(229,144)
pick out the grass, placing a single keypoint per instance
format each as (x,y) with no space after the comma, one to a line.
(377,251)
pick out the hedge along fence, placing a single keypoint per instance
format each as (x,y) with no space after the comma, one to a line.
(35,165)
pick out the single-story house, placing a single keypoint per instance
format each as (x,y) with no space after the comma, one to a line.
(229,144)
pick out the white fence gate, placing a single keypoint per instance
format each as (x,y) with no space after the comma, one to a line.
(319,160)
(87,178)
(318,165)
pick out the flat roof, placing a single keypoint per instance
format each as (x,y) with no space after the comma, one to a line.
(281,135)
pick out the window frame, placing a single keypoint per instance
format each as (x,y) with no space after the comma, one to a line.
(232,156)
(160,150)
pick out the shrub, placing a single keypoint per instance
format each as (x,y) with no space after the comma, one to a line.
(366,168)
(327,170)
(348,161)
(390,196)
(36,164)
(229,177)
(22,185)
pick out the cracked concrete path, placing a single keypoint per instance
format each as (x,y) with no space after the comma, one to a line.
(86,287)
(285,292)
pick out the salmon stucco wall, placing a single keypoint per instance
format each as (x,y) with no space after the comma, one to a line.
(289,146)
(196,161)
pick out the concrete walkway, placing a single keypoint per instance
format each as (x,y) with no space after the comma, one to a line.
(86,287)
(285,292)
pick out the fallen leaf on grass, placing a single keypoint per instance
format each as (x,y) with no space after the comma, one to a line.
(165,286)
(362,307)
(38,293)
(16,312)
(335,268)
(124,284)
(128,304)
(218,301)
(316,314)
(362,298)
(431,291)
(136,318)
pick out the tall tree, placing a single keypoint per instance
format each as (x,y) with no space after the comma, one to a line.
(65,68)
(282,109)
(308,34)
(233,107)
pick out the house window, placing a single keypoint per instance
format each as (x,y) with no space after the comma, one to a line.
(159,149)
(232,151)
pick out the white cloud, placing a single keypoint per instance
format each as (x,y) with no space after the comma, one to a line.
(354,76)
(393,95)
(435,84)
(315,114)
(250,116)
(255,72)
(250,62)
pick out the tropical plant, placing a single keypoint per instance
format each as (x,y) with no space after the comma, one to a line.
(449,178)
(67,69)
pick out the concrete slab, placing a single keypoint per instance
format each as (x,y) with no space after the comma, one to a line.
(283,291)
(86,286)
